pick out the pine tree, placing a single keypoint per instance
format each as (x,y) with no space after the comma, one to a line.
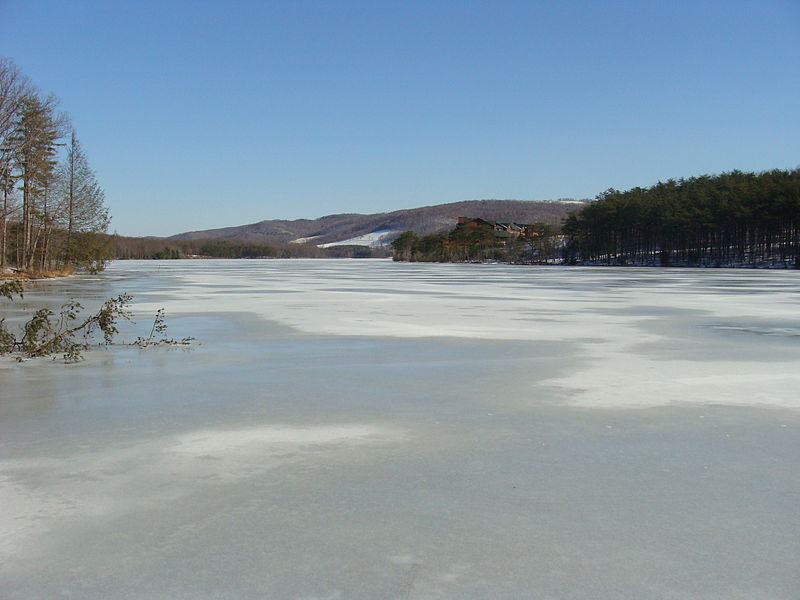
(34,143)
(82,209)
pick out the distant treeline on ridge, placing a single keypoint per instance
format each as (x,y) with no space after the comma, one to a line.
(161,248)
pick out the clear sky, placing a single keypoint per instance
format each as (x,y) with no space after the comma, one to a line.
(207,114)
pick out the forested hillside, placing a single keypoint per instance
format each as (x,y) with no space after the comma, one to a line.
(730,219)
(422,221)
(52,214)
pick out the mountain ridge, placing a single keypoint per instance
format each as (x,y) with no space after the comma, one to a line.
(337,228)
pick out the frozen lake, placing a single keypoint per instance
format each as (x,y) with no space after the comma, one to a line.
(370,430)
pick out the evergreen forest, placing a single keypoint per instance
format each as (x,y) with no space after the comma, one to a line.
(727,220)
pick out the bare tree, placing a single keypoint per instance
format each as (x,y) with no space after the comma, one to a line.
(14,88)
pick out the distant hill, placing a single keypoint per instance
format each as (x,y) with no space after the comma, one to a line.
(336,229)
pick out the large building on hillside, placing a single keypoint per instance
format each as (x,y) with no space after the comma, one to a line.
(501,229)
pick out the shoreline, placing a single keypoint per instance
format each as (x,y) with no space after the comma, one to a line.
(11,274)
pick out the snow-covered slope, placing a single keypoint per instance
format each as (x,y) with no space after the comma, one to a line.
(381,237)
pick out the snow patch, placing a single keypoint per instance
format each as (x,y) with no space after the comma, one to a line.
(37,493)
(375,239)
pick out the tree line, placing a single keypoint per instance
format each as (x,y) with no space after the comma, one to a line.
(732,219)
(125,248)
(53,211)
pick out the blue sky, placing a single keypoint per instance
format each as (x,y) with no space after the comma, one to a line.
(206,114)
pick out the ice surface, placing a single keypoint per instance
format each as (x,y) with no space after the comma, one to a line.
(367,429)
(644,337)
